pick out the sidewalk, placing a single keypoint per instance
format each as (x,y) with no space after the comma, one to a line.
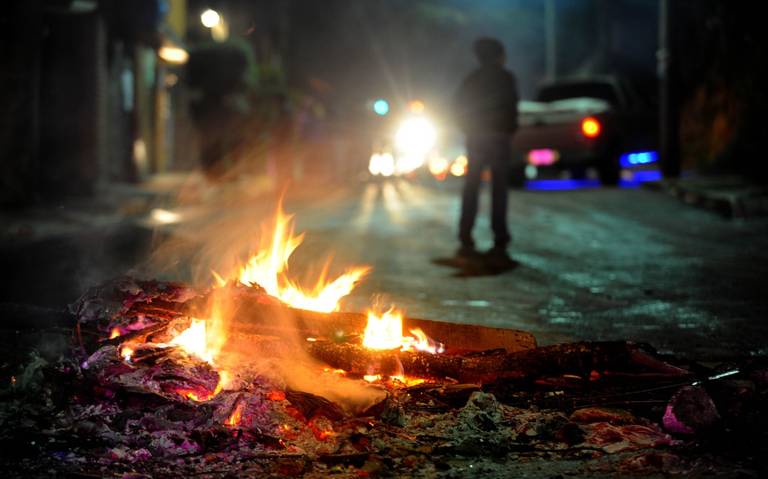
(144,204)
(54,250)
(730,196)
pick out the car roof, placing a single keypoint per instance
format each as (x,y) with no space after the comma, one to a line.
(570,80)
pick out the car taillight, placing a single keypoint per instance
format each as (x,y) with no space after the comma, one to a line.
(591,127)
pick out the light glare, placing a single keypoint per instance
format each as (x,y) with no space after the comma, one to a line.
(175,55)
(590,127)
(416,136)
(381,107)
(210,18)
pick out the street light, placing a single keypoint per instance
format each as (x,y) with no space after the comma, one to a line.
(210,18)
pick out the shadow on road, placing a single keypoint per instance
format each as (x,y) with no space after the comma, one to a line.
(468,268)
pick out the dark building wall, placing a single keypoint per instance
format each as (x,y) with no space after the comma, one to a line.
(71,93)
(66,122)
(52,94)
(722,50)
(20,36)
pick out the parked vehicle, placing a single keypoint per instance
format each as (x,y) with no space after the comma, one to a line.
(574,124)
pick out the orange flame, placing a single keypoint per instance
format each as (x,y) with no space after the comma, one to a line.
(237,415)
(195,396)
(194,340)
(115,333)
(407,381)
(204,338)
(126,352)
(421,342)
(268,269)
(386,332)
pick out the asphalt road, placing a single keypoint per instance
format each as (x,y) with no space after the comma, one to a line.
(595,264)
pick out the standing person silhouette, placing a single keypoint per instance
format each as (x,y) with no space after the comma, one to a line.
(485,107)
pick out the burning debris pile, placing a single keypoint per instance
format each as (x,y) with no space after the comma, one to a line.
(256,376)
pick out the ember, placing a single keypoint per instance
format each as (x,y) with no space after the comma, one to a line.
(126,352)
(237,415)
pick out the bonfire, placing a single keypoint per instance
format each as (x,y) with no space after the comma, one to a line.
(259,369)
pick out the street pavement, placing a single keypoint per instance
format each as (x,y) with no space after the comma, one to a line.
(596,264)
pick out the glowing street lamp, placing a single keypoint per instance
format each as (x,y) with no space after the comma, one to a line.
(210,18)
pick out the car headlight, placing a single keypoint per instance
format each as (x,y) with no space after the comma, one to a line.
(416,136)
(381,164)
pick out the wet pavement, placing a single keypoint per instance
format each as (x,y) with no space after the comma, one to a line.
(595,264)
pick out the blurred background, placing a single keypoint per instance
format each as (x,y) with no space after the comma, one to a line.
(152,137)
(97,92)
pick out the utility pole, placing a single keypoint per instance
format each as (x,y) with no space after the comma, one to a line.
(669,108)
(550,33)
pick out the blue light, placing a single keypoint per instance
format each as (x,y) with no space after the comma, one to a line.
(636,179)
(628,160)
(639,177)
(555,185)
(381,107)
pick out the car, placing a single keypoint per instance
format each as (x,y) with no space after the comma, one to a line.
(580,123)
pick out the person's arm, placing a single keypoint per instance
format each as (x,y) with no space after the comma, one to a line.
(514,99)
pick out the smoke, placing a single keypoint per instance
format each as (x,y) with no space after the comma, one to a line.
(277,353)
(223,224)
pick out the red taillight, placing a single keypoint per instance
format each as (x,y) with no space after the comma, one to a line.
(590,127)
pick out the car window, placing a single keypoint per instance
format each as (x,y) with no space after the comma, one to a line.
(601,91)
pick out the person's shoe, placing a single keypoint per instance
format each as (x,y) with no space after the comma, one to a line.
(467,257)
(468,252)
(498,258)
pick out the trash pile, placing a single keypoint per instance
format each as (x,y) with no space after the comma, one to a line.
(134,397)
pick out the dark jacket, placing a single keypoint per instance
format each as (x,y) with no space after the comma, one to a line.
(486,102)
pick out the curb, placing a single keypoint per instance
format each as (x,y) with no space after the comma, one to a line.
(729,197)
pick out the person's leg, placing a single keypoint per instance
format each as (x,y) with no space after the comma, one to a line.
(500,168)
(469,197)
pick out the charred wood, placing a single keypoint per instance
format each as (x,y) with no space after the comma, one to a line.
(578,359)
(310,405)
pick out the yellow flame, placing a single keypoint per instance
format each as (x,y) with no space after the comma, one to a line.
(126,352)
(406,381)
(236,416)
(421,342)
(194,341)
(219,280)
(225,381)
(386,332)
(203,338)
(268,269)
(115,333)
